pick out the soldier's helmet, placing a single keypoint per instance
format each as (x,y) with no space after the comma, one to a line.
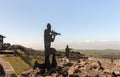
(48,26)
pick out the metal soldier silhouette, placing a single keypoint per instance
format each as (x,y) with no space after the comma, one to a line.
(67,51)
(49,36)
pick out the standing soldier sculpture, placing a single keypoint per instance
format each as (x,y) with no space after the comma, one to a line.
(49,36)
(67,51)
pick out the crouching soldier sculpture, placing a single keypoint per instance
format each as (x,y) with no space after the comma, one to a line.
(49,36)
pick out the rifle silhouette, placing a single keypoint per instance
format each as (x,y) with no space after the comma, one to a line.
(54,33)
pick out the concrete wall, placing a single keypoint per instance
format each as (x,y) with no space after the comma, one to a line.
(1,42)
(0,45)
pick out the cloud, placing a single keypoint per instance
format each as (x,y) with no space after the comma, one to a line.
(76,44)
(88,44)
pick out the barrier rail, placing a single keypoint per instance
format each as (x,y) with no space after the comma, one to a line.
(24,59)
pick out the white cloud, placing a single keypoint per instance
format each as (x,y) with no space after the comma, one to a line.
(76,44)
(88,44)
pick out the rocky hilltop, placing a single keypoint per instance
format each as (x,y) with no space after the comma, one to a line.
(79,67)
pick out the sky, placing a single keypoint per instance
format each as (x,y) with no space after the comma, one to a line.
(83,24)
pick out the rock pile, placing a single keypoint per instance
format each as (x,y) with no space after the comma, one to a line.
(91,67)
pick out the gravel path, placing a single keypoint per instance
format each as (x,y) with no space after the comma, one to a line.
(7,67)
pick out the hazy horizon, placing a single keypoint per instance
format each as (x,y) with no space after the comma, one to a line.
(82,45)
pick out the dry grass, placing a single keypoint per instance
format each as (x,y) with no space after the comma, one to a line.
(17,63)
(112,54)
